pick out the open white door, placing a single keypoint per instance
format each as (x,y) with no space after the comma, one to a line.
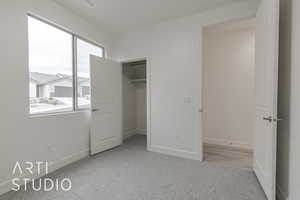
(267,25)
(106,100)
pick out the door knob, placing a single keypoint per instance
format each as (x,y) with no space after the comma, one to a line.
(200,110)
(269,119)
(95,109)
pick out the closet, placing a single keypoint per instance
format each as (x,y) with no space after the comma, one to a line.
(134,98)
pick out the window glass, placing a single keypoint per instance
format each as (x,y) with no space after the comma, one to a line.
(84,50)
(50,67)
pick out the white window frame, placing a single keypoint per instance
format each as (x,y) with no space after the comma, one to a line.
(74,63)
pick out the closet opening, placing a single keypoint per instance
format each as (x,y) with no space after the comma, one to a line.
(229,91)
(135,101)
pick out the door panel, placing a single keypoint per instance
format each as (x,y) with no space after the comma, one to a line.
(106,100)
(266,73)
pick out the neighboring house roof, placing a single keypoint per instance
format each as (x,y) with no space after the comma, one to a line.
(42,78)
(82,80)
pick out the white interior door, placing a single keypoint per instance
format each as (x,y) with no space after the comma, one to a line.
(267,24)
(106,100)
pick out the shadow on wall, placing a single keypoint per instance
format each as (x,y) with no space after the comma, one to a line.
(284,96)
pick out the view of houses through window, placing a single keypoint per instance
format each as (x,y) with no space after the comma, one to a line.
(51,67)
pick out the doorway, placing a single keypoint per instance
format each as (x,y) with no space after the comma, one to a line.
(229,91)
(134,91)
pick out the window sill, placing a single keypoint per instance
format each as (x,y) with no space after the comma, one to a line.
(38,115)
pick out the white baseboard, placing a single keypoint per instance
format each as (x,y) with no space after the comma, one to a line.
(68,160)
(129,134)
(141,131)
(5,187)
(133,132)
(226,143)
(280,195)
(53,166)
(175,152)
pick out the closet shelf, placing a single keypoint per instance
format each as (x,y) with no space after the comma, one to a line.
(138,80)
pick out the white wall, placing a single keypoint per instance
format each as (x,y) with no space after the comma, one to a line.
(173,49)
(141,108)
(129,108)
(228,84)
(60,139)
(288,162)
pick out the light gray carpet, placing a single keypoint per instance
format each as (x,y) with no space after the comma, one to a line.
(130,172)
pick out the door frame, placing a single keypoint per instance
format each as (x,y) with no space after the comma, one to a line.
(274,165)
(148,93)
(202,67)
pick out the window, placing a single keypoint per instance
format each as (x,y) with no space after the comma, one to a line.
(50,67)
(56,59)
(84,50)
